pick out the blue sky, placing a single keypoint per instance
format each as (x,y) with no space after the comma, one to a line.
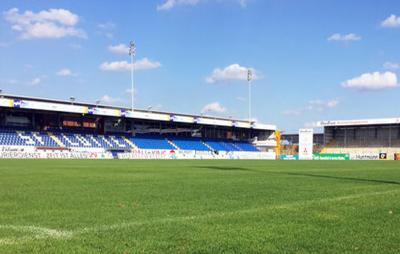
(312,60)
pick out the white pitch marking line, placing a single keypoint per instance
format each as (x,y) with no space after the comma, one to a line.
(35,233)
(45,233)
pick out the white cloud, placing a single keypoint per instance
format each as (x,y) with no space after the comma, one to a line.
(106,99)
(391,66)
(106,29)
(214,107)
(170,4)
(52,23)
(321,105)
(231,73)
(391,21)
(65,73)
(372,81)
(119,49)
(344,37)
(143,64)
(35,82)
(313,105)
(106,26)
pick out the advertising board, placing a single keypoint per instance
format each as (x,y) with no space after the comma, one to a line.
(306,144)
(28,104)
(331,156)
(368,157)
(289,157)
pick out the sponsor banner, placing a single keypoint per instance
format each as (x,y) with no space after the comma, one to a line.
(331,156)
(240,124)
(364,157)
(306,142)
(397,156)
(210,121)
(182,119)
(104,111)
(146,154)
(27,104)
(17,149)
(148,115)
(191,155)
(6,103)
(360,122)
(30,152)
(289,157)
(260,126)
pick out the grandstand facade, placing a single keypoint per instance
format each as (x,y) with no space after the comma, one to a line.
(39,127)
(363,139)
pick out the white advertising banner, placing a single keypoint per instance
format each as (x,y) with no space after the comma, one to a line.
(104,111)
(50,106)
(148,115)
(306,141)
(182,119)
(210,121)
(30,152)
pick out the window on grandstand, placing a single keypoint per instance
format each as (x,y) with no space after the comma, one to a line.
(89,124)
(70,123)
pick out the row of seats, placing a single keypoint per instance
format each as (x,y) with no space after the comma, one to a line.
(10,137)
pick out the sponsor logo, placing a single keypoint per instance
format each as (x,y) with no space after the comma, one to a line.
(18,103)
(382,156)
(332,156)
(365,157)
(91,110)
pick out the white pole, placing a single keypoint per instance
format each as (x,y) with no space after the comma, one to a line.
(132,84)
(132,51)
(249,78)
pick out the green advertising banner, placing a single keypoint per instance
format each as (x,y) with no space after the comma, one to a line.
(331,156)
(289,157)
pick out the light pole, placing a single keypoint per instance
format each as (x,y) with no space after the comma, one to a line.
(72,99)
(132,52)
(249,78)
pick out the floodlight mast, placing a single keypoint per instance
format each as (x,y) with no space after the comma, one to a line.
(132,52)
(249,79)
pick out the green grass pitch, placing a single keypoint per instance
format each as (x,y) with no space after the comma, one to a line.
(67,206)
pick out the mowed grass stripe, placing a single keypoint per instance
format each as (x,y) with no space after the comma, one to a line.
(199,206)
(37,232)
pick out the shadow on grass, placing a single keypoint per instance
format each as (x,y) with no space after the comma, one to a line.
(346,178)
(224,168)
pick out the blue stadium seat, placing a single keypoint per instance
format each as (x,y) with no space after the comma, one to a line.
(85,139)
(185,143)
(150,141)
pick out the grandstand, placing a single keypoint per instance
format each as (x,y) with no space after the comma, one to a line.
(362,138)
(42,126)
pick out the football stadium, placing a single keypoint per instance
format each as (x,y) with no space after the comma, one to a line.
(283,157)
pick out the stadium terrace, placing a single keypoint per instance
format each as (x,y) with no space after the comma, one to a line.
(44,128)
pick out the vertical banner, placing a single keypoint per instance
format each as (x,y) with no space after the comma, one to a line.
(306,144)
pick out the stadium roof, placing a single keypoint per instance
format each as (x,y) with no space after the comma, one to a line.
(35,103)
(361,122)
